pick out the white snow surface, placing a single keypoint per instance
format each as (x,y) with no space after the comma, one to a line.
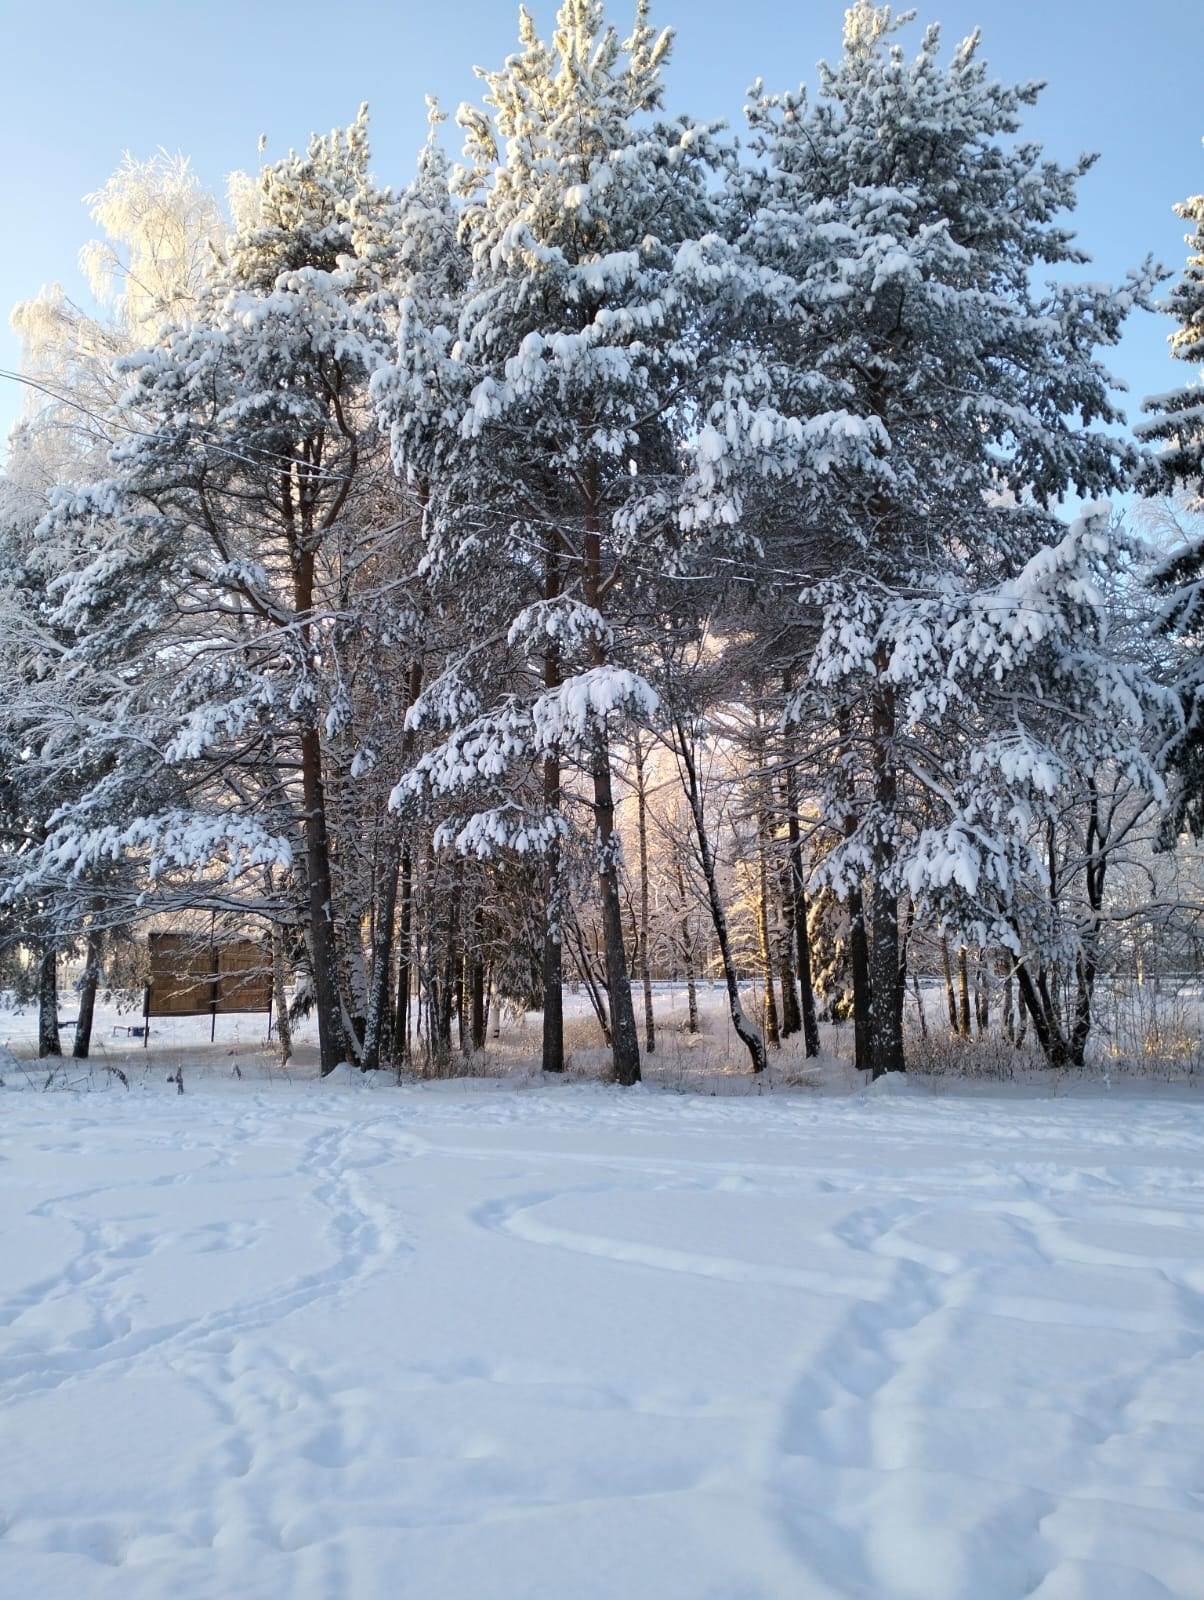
(267,1340)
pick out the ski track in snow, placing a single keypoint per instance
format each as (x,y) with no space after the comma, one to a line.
(349,1344)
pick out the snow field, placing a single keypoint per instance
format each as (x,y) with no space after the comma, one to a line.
(449,1340)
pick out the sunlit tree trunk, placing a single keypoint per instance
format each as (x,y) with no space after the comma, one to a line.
(748,1035)
(772,1034)
(963,992)
(284,1029)
(802,932)
(87,988)
(950,996)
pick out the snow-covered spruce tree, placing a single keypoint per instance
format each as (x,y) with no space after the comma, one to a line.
(549,427)
(1175,425)
(913,225)
(227,536)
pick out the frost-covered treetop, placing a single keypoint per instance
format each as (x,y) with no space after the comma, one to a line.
(911,219)
(320,211)
(582,325)
(562,156)
(161,228)
(1176,423)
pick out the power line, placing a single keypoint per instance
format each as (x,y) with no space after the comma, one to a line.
(105,421)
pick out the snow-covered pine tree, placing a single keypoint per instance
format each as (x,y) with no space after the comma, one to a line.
(913,224)
(228,536)
(1175,425)
(1176,420)
(549,425)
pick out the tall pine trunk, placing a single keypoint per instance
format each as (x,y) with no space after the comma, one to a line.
(625,1044)
(886,1009)
(687,953)
(950,996)
(859,967)
(802,932)
(645,961)
(477,978)
(401,1011)
(552,965)
(376,1020)
(87,989)
(1086,964)
(552,962)
(748,1035)
(284,1029)
(963,992)
(792,1017)
(772,1035)
(332,1044)
(49,1043)
(376,1025)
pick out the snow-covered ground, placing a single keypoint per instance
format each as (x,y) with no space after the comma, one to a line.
(460,1341)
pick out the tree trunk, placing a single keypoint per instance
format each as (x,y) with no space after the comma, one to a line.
(885,998)
(460,993)
(378,1034)
(593,986)
(553,940)
(1045,1024)
(963,992)
(687,953)
(625,1045)
(1086,962)
(772,1035)
(982,1002)
(382,957)
(87,991)
(802,933)
(792,1017)
(445,983)
(49,1043)
(745,1032)
(859,965)
(645,964)
(401,1014)
(332,1044)
(476,974)
(349,941)
(915,989)
(1009,1003)
(887,1050)
(284,1030)
(950,996)
(553,908)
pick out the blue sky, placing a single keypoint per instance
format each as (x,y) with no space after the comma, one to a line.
(85,81)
